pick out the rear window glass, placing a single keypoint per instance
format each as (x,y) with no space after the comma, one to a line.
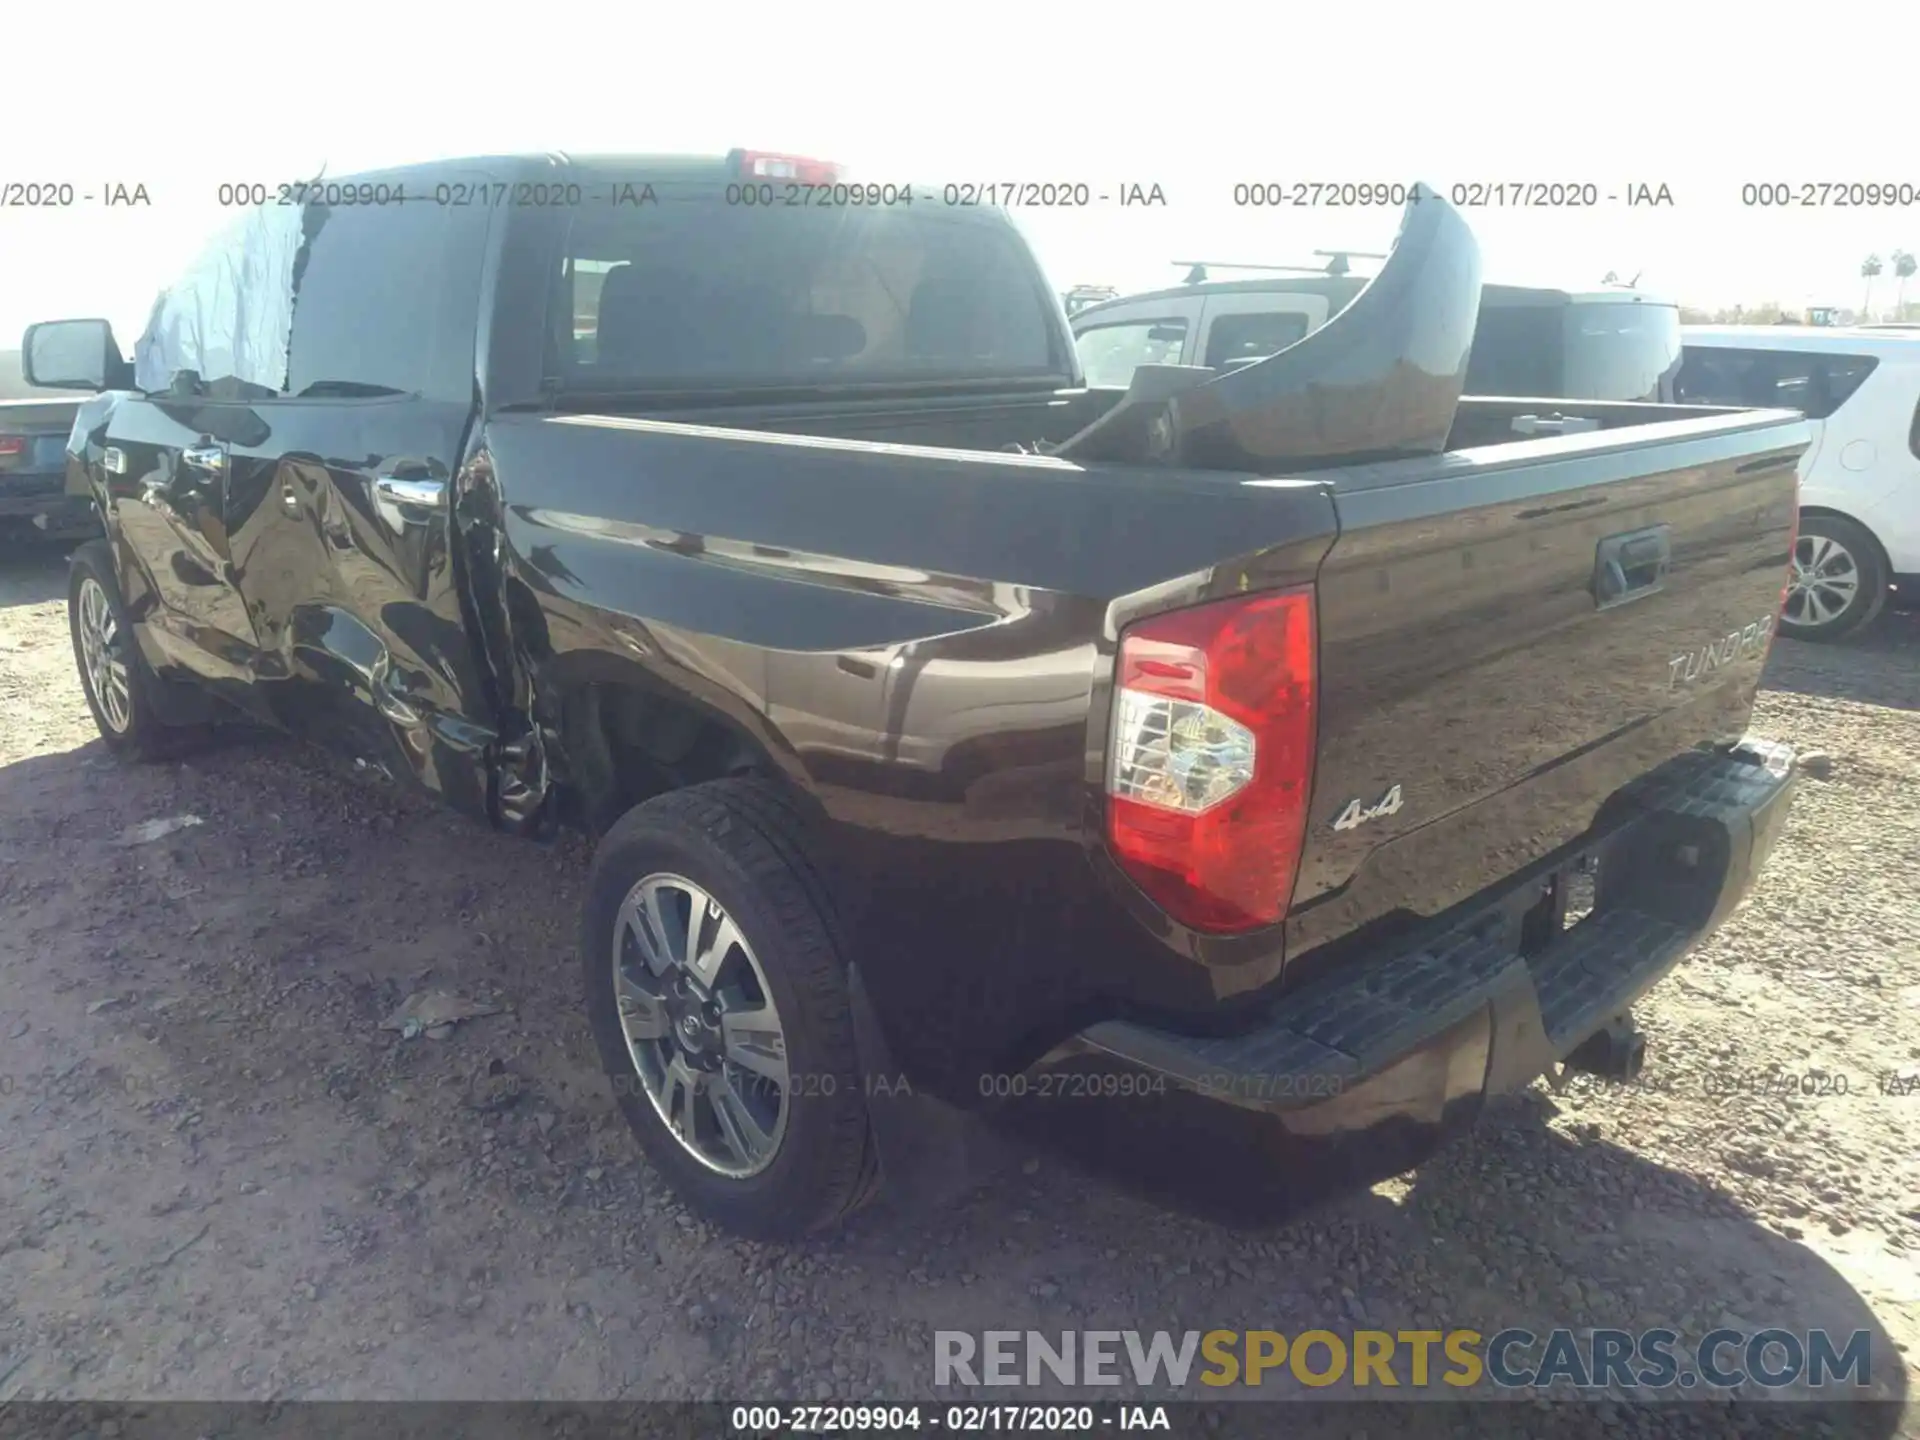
(1253,337)
(1621,352)
(1588,351)
(1109,354)
(1516,351)
(1816,384)
(699,292)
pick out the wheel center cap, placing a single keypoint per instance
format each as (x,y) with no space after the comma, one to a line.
(692,1026)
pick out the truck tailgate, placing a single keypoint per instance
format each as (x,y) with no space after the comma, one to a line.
(1505,645)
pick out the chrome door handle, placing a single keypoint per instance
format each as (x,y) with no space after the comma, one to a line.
(420,494)
(209,458)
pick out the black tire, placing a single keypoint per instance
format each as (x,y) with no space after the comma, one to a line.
(744,842)
(132,728)
(1846,550)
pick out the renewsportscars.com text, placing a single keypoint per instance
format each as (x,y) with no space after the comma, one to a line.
(1410,1359)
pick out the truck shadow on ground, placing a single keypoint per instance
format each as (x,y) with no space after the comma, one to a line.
(255,954)
(1517,1225)
(1879,667)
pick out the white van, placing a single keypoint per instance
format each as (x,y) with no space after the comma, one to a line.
(1860,480)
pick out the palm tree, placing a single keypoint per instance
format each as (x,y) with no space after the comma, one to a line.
(1869,268)
(1903,267)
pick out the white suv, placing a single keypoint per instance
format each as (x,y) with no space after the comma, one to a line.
(1860,480)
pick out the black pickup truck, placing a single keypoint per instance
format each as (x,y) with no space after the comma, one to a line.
(1237,776)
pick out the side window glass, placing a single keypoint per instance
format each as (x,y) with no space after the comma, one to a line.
(1111,353)
(1832,381)
(583,336)
(1710,375)
(1815,384)
(384,299)
(1253,337)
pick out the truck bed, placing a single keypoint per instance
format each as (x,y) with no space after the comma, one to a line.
(923,638)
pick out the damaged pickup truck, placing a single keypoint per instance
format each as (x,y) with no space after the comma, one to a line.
(1238,776)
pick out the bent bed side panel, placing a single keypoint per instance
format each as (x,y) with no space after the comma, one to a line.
(917,636)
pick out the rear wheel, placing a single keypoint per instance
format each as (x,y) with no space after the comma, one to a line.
(718,999)
(1838,581)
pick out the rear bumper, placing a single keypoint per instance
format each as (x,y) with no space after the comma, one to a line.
(1365,1071)
(41,500)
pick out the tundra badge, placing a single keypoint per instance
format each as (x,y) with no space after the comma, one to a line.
(1358,814)
(1735,645)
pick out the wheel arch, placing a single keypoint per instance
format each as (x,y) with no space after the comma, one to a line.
(621,734)
(1879,545)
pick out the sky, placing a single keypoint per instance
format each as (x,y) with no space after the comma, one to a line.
(1701,98)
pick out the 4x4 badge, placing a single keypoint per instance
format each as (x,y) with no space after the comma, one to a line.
(1358,814)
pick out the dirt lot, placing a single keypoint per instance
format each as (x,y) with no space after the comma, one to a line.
(220,1178)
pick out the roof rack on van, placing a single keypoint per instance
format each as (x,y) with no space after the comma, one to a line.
(1336,265)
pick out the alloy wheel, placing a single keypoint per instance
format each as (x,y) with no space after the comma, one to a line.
(1825,581)
(101,657)
(701,1026)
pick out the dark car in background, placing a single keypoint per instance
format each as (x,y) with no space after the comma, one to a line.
(34,499)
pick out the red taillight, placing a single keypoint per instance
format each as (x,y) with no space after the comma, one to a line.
(765,165)
(1210,764)
(13,445)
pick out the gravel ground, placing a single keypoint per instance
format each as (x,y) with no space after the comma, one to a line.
(219,1178)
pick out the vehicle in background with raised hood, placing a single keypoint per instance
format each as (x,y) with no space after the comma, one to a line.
(1237,775)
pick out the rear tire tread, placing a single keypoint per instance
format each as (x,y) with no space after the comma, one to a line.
(762,831)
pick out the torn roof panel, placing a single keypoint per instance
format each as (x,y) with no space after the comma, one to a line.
(94,412)
(230,315)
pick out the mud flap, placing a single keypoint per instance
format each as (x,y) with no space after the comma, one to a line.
(931,1152)
(1520,1050)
